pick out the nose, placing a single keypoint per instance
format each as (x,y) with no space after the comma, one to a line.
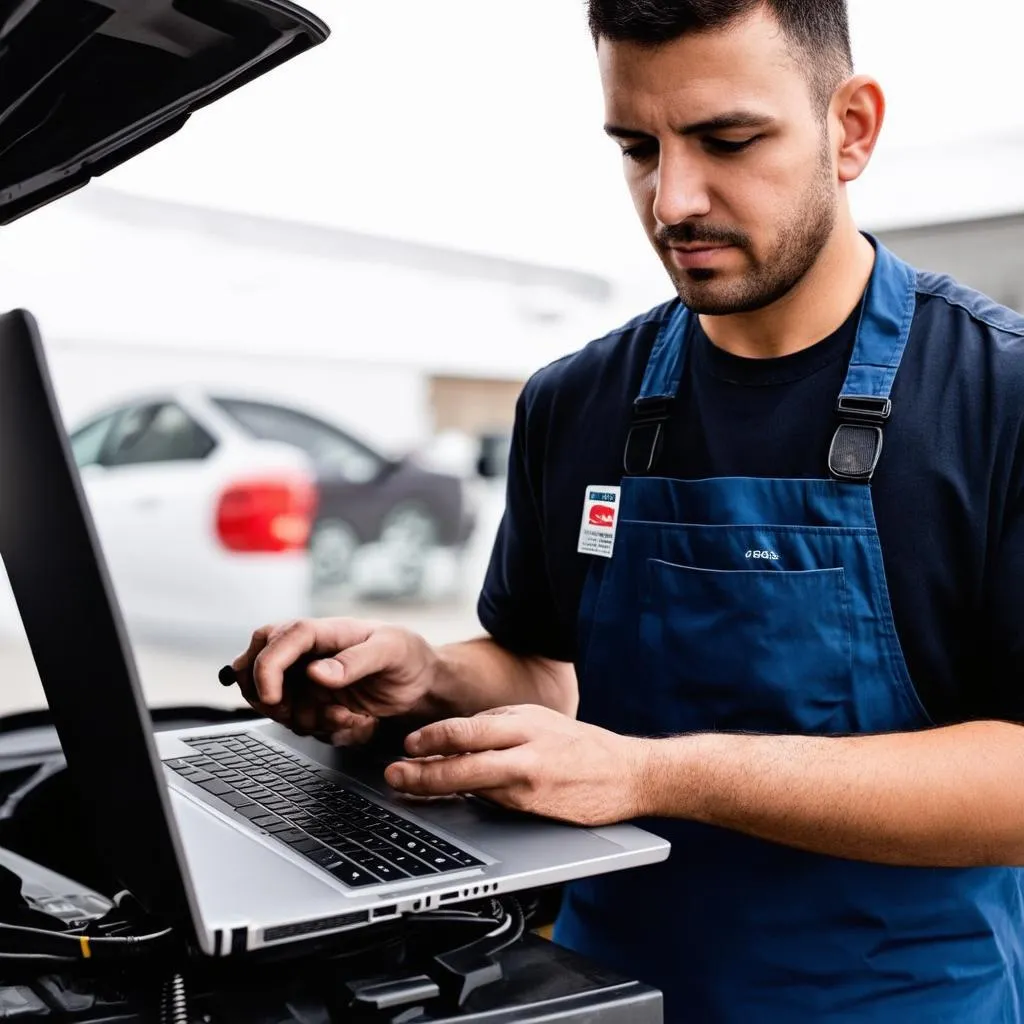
(682,192)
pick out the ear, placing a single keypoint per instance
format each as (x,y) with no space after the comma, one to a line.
(858,110)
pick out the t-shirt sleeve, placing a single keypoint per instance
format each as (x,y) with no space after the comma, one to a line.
(517,605)
(1005,618)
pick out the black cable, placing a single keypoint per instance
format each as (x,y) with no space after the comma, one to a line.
(451,917)
(517,922)
(54,958)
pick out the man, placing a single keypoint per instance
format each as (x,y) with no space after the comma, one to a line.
(800,658)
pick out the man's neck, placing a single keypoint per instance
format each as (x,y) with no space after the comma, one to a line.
(814,309)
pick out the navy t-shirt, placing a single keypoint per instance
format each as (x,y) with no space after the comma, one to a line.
(948,493)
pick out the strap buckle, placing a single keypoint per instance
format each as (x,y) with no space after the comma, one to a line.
(857,444)
(864,409)
(646,435)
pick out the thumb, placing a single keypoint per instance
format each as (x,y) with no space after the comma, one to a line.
(353,665)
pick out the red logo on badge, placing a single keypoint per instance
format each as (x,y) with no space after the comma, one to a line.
(602,515)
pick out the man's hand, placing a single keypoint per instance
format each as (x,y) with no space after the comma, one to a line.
(350,674)
(528,758)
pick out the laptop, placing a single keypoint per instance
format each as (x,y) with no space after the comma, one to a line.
(245,837)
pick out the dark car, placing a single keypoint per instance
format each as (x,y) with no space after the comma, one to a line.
(363,497)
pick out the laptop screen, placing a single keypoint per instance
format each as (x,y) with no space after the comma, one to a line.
(77,637)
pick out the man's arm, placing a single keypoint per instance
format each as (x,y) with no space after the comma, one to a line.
(479,675)
(950,797)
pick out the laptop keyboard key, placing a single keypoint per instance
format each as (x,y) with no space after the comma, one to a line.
(280,826)
(216,787)
(363,857)
(343,846)
(410,865)
(385,872)
(267,819)
(292,836)
(442,862)
(325,858)
(460,857)
(307,846)
(250,810)
(353,875)
(234,799)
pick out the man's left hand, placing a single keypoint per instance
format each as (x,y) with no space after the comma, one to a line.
(529,759)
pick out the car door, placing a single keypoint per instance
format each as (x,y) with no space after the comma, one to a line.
(146,479)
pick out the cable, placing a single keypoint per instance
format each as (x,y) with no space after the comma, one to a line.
(451,917)
(515,923)
(173,1003)
(55,958)
(87,945)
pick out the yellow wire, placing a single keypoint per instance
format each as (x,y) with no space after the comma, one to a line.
(83,941)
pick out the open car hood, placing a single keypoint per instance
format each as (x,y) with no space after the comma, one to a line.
(87,84)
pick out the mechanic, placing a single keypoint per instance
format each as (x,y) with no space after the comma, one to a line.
(795,635)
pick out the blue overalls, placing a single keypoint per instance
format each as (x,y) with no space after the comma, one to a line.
(761,605)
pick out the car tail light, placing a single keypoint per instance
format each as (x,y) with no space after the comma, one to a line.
(267,514)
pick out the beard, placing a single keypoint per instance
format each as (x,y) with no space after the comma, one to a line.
(794,251)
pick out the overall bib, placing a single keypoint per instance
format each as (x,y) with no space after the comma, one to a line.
(760,605)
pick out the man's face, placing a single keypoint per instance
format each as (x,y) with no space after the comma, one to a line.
(727,156)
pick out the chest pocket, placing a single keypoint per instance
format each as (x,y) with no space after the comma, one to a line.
(761,651)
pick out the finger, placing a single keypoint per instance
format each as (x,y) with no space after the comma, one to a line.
(469,735)
(493,769)
(278,712)
(287,644)
(357,735)
(360,661)
(258,640)
(338,717)
(305,719)
(242,665)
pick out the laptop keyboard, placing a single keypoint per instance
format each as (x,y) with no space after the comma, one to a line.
(300,804)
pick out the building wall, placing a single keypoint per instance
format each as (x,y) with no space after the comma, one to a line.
(352,325)
(473,406)
(984,254)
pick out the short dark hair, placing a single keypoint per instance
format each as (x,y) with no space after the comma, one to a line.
(819,29)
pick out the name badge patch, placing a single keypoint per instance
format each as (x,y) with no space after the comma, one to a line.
(600,520)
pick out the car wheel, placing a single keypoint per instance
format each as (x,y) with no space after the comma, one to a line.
(408,535)
(332,548)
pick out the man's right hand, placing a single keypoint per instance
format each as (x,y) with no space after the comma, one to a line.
(342,675)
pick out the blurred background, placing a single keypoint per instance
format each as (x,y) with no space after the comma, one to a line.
(288,341)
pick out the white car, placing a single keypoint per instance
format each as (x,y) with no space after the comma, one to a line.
(205,530)
(220,513)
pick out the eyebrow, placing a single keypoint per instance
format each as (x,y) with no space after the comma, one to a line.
(724,122)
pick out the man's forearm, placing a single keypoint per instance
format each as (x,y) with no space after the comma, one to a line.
(947,797)
(479,675)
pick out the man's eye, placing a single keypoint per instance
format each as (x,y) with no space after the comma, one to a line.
(728,146)
(641,151)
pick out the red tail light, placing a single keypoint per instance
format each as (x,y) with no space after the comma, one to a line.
(267,514)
